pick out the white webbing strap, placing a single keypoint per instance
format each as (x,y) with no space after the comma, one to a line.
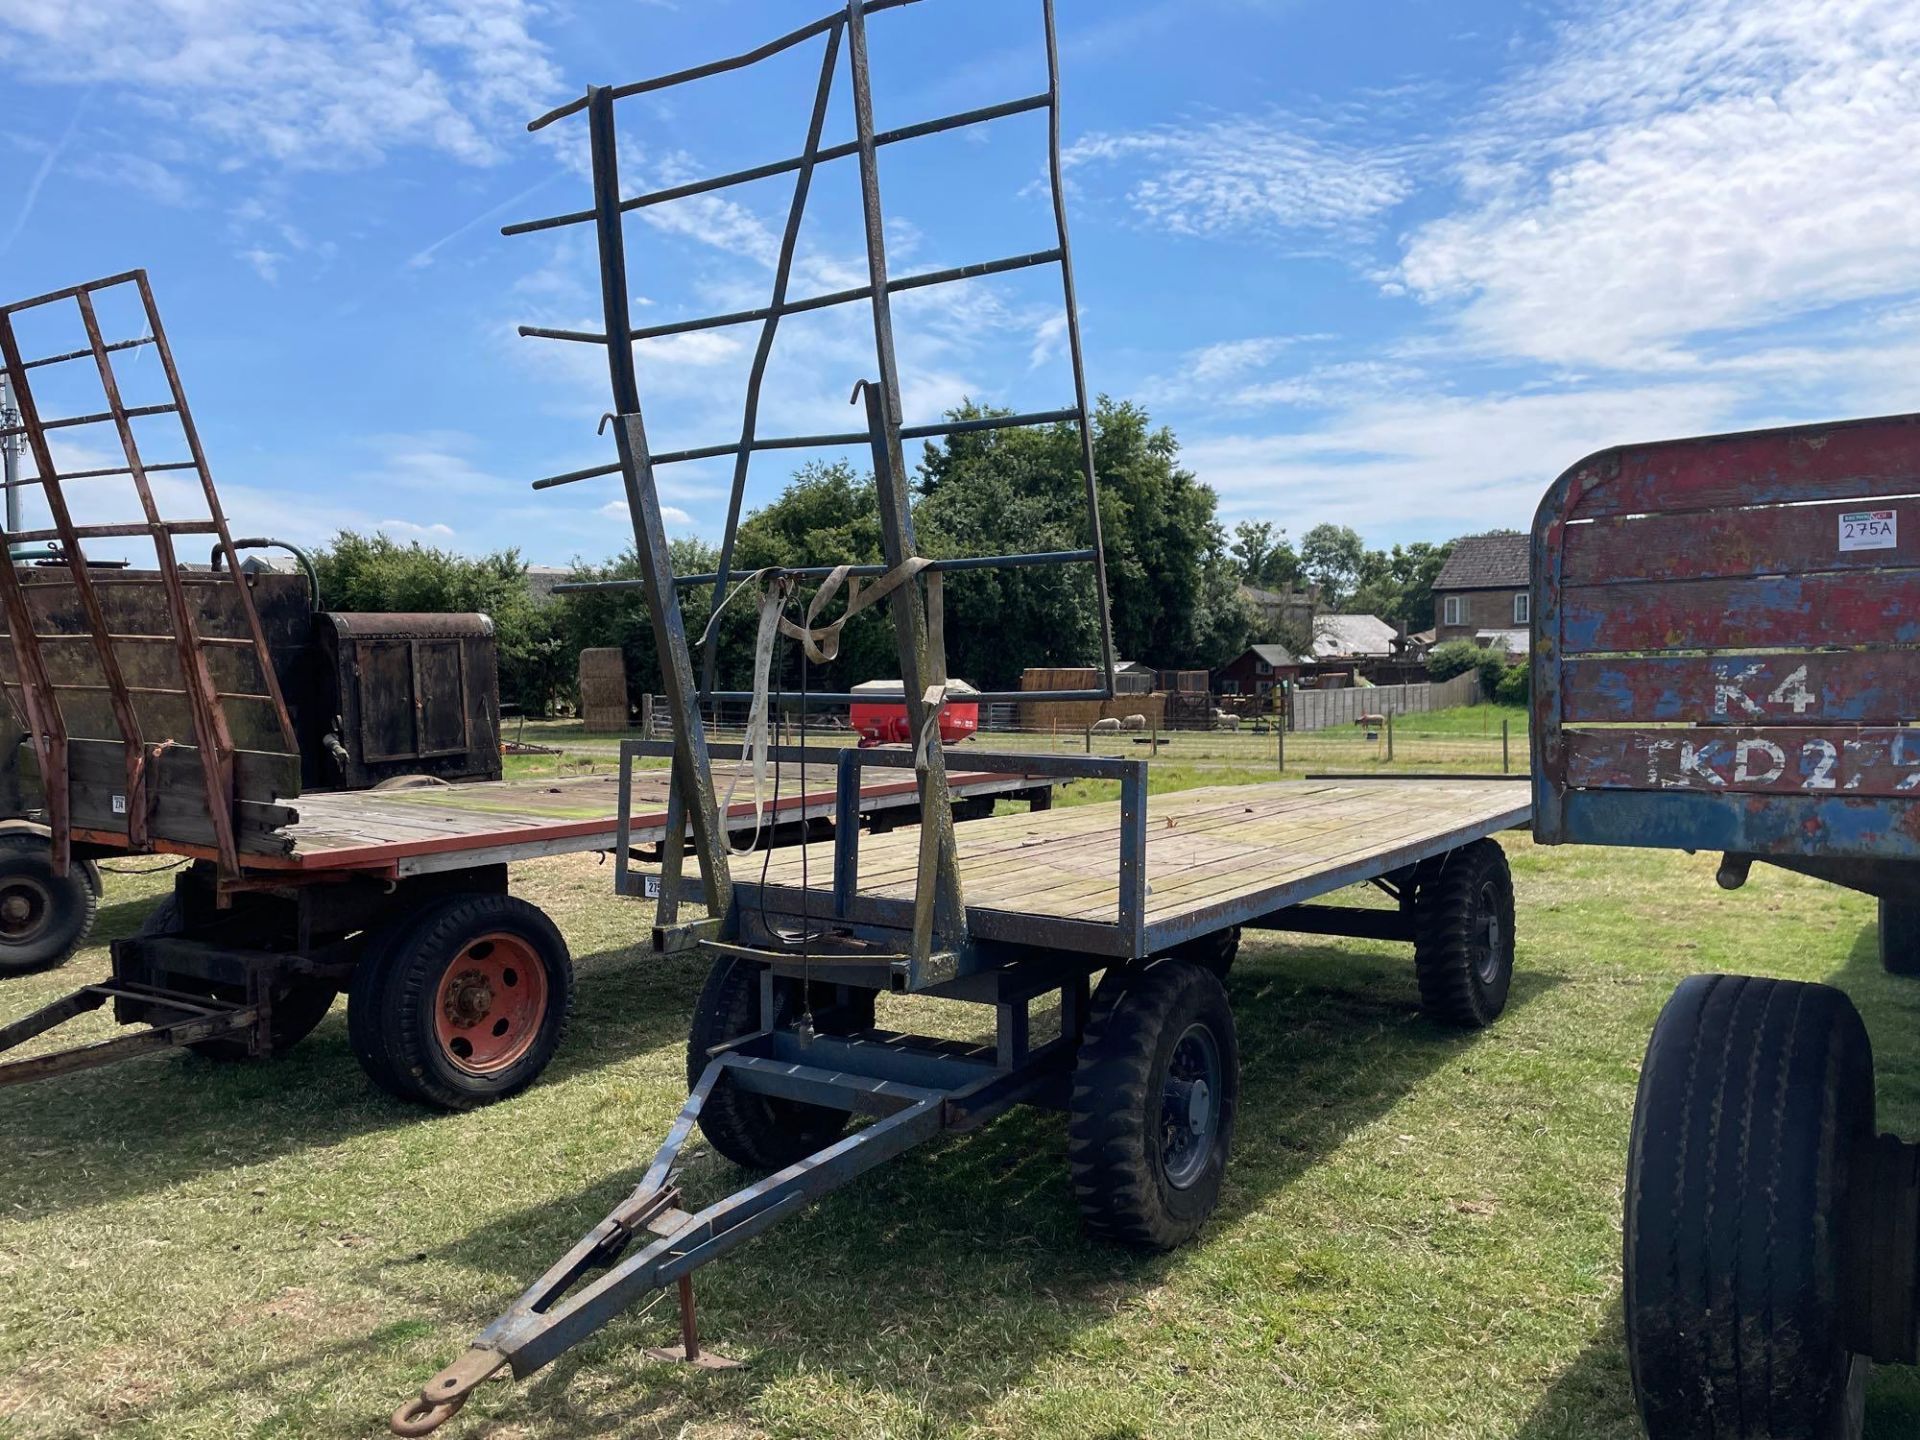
(822,646)
(822,642)
(753,752)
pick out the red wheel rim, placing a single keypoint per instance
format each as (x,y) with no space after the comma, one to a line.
(490,1003)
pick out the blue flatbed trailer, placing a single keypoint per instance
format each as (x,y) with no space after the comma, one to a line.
(1725,633)
(1055,904)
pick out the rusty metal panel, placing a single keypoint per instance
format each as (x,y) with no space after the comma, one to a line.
(1868,687)
(1857,760)
(1735,618)
(408,694)
(1854,459)
(1727,544)
(1788,612)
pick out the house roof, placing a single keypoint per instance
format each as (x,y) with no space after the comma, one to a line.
(1274,654)
(1485,562)
(1339,635)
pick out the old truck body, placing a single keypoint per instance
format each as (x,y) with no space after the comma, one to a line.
(1727,659)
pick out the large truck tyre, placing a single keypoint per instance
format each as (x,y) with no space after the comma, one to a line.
(1900,936)
(759,1132)
(1156,1090)
(1744,1188)
(44,917)
(462,1003)
(1463,935)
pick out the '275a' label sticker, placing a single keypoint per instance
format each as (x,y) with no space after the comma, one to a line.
(1869,530)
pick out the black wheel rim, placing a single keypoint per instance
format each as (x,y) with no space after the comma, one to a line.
(1488,937)
(24,908)
(1190,1106)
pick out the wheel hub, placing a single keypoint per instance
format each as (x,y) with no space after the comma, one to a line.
(24,908)
(1190,1106)
(490,1004)
(1488,941)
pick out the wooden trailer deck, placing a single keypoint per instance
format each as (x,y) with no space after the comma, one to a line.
(1216,856)
(404,832)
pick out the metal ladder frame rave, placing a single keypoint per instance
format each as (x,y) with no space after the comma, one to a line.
(39,689)
(940,914)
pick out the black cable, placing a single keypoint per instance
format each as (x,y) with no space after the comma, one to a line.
(806,920)
(143,869)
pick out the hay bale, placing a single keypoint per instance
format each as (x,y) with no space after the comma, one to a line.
(603,689)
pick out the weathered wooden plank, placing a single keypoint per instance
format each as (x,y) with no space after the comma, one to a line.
(1782,760)
(1866,687)
(1858,459)
(1298,852)
(1728,544)
(1880,607)
(1221,848)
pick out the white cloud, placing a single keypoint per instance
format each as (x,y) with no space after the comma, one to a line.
(1680,169)
(1230,358)
(411,529)
(439,463)
(673,515)
(265,262)
(1436,464)
(303,83)
(1258,175)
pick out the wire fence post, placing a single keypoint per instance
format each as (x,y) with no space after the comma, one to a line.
(1506,762)
(1389,737)
(1280,748)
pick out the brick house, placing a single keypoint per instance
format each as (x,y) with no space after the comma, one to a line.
(1482,588)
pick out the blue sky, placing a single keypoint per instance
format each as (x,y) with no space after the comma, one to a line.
(1392,264)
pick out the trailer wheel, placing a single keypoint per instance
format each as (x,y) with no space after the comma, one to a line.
(758,1132)
(298,1004)
(1155,1090)
(1215,952)
(1754,1098)
(1900,936)
(44,917)
(463,1003)
(1463,935)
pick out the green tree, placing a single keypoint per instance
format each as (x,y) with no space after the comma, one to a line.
(1266,557)
(995,491)
(619,618)
(1333,557)
(1398,585)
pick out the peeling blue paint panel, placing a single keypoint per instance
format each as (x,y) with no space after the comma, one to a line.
(1727,646)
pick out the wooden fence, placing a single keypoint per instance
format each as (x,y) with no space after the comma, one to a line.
(1325,709)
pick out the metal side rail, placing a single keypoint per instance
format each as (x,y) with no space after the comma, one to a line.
(598,1278)
(191,1018)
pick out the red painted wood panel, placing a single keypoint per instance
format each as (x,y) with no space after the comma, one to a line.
(1838,760)
(1772,540)
(1865,687)
(1879,607)
(1833,462)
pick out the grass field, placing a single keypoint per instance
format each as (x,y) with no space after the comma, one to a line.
(1419,1236)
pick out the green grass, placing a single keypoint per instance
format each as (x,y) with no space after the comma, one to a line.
(1419,1236)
